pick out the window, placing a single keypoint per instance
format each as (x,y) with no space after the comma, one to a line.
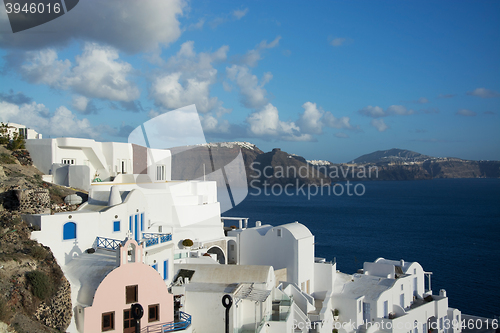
(231,247)
(165,269)
(69,230)
(279,232)
(160,228)
(131,294)
(415,271)
(402,288)
(160,172)
(359,306)
(386,309)
(70,161)
(128,320)
(116,226)
(108,321)
(153,313)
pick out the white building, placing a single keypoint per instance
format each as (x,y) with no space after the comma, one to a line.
(62,160)
(12,129)
(271,273)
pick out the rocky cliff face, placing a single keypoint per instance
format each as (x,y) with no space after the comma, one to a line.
(275,167)
(278,167)
(34,294)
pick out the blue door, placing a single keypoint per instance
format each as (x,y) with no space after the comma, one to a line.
(165,269)
(136,228)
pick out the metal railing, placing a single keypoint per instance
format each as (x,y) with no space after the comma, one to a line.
(153,238)
(183,323)
(107,243)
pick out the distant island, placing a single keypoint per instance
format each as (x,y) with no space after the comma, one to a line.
(281,167)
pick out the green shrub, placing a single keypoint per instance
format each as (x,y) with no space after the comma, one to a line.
(42,286)
(5,312)
(38,252)
(7,159)
(17,142)
(187,242)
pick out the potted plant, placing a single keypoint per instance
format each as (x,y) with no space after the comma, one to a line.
(187,243)
(335,314)
(335,330)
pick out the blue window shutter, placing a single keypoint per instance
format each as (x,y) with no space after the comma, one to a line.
(142,222)
(130,223)
(165,270)
(116,226)
(69,230)
(155,266)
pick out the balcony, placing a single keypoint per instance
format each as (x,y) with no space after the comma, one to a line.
(107,243)
(181,324)
(151,239)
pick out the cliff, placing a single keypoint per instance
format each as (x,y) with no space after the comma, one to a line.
(34,294)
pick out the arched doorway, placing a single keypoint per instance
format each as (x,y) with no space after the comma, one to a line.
(221,258)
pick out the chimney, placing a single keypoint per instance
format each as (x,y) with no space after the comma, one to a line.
(258,223)
(114,196)
(402,262)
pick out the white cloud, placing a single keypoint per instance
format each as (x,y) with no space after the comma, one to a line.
(379,124)
(187,80)
(466,113)
(197,26)
(252,93)
(398,110)
(313,119)
(372,111)
(97,73)
(483,93)
(44,67)
(310,121)
(211,124)
(239,13)
(343,122)
(266,123)
(252,57)
(422,100)
(337,41)
(80,103)
(129,25)
(378,112)
(60,123)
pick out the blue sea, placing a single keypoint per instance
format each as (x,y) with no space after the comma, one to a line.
(450,226)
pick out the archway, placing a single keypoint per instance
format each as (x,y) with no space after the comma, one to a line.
(221,258)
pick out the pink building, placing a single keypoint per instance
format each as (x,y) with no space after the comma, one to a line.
(130,283)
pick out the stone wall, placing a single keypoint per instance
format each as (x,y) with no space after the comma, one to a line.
(33,201)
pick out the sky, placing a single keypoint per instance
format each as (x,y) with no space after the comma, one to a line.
(329,80)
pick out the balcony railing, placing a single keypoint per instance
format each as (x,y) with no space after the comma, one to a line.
(153,238)
(107,243)
(183,323)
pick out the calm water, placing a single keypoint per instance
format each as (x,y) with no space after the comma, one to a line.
(450,226)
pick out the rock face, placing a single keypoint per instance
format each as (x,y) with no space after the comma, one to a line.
(275,167)
(56,313)
(279,167)
(22,191)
